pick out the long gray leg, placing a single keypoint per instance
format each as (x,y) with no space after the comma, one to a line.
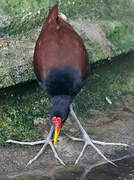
(46,142)
(89,141)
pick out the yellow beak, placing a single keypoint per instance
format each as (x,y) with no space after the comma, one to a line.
(57,126)
(56,134)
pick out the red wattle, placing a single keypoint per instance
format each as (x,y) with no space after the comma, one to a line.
(57,123)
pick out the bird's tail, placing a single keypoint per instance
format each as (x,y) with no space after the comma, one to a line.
(53,13)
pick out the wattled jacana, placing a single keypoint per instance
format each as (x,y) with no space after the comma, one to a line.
(61,65)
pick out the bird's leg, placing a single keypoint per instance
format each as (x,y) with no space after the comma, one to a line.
(46,142)
(89,141)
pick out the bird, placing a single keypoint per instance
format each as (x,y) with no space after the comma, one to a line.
(62,66)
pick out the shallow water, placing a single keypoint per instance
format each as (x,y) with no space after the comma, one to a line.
(123,171)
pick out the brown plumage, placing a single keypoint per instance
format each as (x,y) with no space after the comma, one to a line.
(59,45)
(61,64)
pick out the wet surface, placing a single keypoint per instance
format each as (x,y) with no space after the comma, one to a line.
(97,171)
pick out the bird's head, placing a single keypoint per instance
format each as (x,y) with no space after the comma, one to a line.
(58,118)
(59,113)
(57,122)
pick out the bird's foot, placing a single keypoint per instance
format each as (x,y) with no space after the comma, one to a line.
(46,142)
(87,141)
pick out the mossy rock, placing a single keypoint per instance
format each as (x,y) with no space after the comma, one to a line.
(107,28)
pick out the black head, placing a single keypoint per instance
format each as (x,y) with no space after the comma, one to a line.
(61,106)
(59,113)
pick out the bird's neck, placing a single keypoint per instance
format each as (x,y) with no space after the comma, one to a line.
(60,106)
(61,99)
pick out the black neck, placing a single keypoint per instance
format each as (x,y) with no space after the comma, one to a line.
(60,106)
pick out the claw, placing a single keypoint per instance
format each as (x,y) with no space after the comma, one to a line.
(84,147)
(38,154)
(56,155)
(89,141)
(46,142)
(74,138)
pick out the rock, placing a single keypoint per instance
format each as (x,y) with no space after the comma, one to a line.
(95,34)
(16,61)
(107,32)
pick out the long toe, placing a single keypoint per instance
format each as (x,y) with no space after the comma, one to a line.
(46,142)
(89,141)
(56,155)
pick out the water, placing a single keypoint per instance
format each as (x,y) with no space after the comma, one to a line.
(123,171)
